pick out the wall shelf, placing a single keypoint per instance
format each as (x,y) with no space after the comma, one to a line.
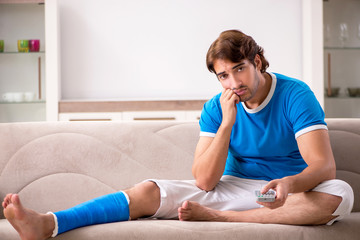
(342,48)
(22,72)
(21,1)
(24,102)
(342,97)
(15,52)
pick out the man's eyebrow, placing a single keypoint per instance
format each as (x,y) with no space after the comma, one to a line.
(220,73)
(238,65)
(242,63)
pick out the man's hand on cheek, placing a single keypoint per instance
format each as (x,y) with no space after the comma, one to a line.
(228,101)
(238,99)
(230,95)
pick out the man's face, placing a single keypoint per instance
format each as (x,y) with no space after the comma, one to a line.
(241,77)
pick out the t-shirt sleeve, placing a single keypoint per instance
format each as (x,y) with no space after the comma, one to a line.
(211,117)
(305,112)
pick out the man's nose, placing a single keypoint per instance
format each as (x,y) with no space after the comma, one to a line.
(234,82)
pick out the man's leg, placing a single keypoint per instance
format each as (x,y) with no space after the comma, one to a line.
(310,208)
(144,201)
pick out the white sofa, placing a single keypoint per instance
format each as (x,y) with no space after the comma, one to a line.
(56,165)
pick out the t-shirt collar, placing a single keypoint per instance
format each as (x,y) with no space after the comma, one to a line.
(267,99)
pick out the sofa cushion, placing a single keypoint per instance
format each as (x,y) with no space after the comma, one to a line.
(345,142)
(173,229)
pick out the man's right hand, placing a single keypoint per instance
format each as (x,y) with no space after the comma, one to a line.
(211,153)
(228,101)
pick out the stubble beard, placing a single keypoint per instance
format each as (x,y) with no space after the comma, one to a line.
(252,91)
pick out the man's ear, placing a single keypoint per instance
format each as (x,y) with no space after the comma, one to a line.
(258,62)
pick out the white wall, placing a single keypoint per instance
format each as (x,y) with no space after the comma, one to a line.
(155,49)
(312,50)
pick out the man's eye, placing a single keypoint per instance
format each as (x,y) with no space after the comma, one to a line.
(240,69)
(222,77)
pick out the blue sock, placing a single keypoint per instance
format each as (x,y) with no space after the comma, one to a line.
(109,208)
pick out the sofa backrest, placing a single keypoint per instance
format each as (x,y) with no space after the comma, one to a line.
(345,142)
(56,165)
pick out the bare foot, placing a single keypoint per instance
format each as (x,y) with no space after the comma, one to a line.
(29,224)
(193,211)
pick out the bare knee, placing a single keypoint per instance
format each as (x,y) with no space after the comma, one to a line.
(144,199)
(148,189)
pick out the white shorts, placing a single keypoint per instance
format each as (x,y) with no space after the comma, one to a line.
(236,194)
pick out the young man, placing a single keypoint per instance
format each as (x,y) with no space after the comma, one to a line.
(264,131)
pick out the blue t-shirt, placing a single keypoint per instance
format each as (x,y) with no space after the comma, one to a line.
(263,140)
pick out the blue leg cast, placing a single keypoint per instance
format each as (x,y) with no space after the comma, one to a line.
(109,208)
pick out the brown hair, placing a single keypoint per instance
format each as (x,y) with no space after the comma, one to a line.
(234,45)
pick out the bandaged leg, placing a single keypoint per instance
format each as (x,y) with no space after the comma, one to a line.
(106,209)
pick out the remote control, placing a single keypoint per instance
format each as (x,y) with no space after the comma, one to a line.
(267,197)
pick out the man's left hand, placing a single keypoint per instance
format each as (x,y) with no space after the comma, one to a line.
(281,186)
